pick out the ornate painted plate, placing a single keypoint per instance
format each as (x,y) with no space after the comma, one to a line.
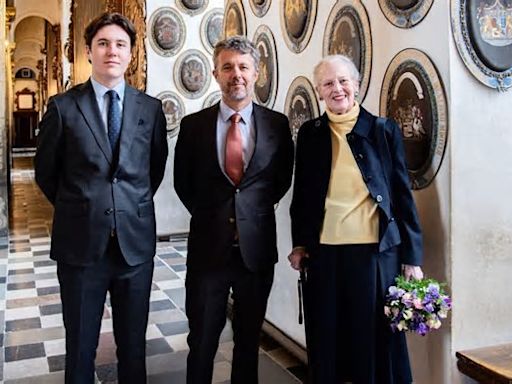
(174,110)
(483,34)
(265,89)
(166,31)
(405,13)
(413,95)
(192,7)
(260,7)
(348,33)
(234,19)
(212,28)
(192,73)
(297,21)
(211,99)
(300,104)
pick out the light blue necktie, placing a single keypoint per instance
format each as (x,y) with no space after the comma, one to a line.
(113,119)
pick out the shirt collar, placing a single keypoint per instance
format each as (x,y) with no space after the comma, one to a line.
(100,89)
(226,112)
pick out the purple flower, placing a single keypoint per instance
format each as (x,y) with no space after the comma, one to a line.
(429,307)
(422,329)
(395,293)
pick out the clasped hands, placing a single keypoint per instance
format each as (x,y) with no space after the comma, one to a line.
(298,255)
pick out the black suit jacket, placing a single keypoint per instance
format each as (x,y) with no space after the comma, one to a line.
(379,153)
(94,190)
(218,208)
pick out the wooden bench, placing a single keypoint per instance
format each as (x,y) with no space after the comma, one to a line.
(489,365)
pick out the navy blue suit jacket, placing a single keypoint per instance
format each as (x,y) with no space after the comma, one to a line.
(94,190)
(379,153)
(218,208)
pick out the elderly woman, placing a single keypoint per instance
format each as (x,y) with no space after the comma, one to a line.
(355,223)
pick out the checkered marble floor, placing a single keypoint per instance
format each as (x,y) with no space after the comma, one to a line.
(32,333)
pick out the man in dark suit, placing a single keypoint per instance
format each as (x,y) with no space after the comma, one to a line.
(233,163)
(100,159)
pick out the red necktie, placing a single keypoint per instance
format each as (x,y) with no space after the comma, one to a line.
(234,154)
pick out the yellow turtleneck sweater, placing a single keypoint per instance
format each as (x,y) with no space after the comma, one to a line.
(351,215)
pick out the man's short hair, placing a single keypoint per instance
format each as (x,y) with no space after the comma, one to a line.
(106,19)
(239,44)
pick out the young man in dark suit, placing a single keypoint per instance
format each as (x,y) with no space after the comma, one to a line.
(100,159)
(233,163)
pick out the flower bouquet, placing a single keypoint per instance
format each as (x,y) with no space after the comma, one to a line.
(416,305)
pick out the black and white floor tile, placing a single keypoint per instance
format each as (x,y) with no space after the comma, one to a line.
(32,333)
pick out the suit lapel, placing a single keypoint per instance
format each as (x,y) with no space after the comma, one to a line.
(88,106)
(131,121)
(210,140)
(264,137)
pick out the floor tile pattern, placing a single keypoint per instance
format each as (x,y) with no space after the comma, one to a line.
(32,334)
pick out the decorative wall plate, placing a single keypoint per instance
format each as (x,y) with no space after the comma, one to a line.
(234,19)
(192,73)
(174,110)
(301,104)
(260,7)
(405,13)
(211,28)
(297,22)
(348,33)
(212,98)
(192,7)
(413,95)
(265,88)
(166,31)
(483,34)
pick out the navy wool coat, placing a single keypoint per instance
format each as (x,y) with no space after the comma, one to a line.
(379,153)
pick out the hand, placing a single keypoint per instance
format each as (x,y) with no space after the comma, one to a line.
(296,257)
(412,271)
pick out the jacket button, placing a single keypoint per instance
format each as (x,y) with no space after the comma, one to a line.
(114,180)
(108,211)
(237,190)
(231,220)
(391,219)
(378,198)
(360,156)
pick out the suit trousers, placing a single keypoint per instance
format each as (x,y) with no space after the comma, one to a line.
(83,293)
(207,293)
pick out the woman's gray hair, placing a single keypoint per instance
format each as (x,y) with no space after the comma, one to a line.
(240,44)
(341,59)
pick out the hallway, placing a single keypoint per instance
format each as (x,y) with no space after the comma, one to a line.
(30,310)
